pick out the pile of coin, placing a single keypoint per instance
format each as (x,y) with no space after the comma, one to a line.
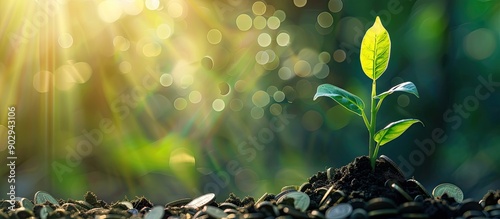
(446,201)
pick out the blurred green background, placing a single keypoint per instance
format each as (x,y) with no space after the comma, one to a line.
(175,98)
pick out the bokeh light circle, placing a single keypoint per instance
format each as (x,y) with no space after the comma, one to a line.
(283,39)
(339,55)
(480,44)
(180,103)
(300,3)
(324,57)
(244,22)
(273,22)
(43,81)
(403,100)
(65,40)
(257,112)
(175,9)
(214,36)
(259,22)
(195,96)
(302,68)
(151,49)
(279,96)
(312,120)
(325,19)
(166,80)
(236,105)
(321,70)
(259,8)
(164,31)
(335,5)
(262,57)
(275,109)
(121,43)
(280,14)
(125,67)
(110,10)
(260,98)
(285,73)
(264,40)
(218,105)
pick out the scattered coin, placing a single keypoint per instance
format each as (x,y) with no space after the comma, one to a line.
(262,198)
(301,200)
(27,203)
(179,202)
(329,173)
(396,187)
(133,211)
(326,195)
(316,214)
(41,197)
(214,212)
(473,214)
(415,216)
(305,186)
(359,213)
(394,165)
(468,205)
(420,186)
(226,205)
(450,189)
(268,207)
(44,212)
(23,212)
(294,213)
(291,187)
(201,201)
(380,203)
(127,204)
(339,211)
(155,213)
(383,213)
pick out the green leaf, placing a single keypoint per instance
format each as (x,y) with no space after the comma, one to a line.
(393,130)
(375,50)
(350,101)
(407,87)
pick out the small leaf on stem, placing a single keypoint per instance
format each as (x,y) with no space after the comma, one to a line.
(407,87)
(394,130)
(349,101)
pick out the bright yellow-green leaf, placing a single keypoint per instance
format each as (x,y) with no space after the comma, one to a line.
(375,50)
(393,130)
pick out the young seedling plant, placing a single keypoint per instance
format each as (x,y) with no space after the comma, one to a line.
(374,57)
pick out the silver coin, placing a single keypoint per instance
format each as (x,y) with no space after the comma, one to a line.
(214,212)
(394,165)
(301,200)
(27,203)
(44,212)
(42,197)
(155,213)
(450,189)
(419,185)
(339,211)
(201,201)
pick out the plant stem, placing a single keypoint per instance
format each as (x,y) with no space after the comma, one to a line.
(373,119)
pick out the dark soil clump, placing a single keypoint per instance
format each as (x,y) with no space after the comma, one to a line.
(358,181)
